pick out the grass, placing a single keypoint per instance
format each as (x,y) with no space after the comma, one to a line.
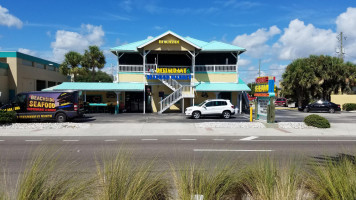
(45,178)
(266,180)
(333,180)
(216,182)
(120,178)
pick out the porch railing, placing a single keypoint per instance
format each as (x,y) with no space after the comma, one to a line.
(198,68)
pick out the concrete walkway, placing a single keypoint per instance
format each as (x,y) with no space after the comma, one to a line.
(167,129)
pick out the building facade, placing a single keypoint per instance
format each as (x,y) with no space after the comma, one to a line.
(20,72)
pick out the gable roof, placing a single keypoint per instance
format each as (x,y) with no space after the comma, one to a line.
(203,46)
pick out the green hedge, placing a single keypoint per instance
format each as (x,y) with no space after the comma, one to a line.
(316,121)
(7,117)
(349,106)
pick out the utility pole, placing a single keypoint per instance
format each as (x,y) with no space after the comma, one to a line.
(341,51)
(259,67)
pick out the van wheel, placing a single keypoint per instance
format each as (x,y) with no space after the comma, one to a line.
(332,110)
(196,115)
(226,114)
(61,117)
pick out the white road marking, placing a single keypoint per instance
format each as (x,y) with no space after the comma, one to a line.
(219,139)
(33,140)
(149,139)
(234,150)
(304,140)
(110,140)
(249,138)
(187,139)
(2,140)
(70,140)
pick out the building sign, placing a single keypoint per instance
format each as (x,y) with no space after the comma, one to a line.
(264,86)
(166,77)
(173,70)
(168,41)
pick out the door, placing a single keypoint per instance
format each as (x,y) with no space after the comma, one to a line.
(208,109)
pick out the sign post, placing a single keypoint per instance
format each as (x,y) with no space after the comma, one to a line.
(264,91)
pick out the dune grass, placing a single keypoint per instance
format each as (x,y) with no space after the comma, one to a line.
(45,178)
(333,180)
(120,178)
(213,182)
(267,180)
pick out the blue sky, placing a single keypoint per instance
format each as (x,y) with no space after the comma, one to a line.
(274,31)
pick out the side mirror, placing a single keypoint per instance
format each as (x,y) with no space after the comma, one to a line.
(204,106)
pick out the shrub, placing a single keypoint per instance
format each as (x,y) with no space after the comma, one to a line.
(7,117)
(316,121)
(349,106)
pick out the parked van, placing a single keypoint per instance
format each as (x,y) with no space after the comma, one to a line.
(61,106)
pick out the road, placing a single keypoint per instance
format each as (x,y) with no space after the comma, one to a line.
(15,151)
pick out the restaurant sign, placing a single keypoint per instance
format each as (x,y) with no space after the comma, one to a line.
(265,86)
(168,41)
(166,77)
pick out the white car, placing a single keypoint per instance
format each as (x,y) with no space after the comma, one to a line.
(219,107)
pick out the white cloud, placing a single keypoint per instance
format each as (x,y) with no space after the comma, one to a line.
(244,62)
(255,43)
(27,51)
(9,20)
(74,41)
(300,40)
(346,22)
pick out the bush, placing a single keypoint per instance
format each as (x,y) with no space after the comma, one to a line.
(349,106)
(316,121)
(7,117)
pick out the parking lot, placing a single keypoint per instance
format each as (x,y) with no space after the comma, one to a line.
(283,115)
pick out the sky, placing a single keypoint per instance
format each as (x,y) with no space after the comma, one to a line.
(274,32)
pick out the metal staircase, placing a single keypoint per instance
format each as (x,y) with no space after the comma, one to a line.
(179,92)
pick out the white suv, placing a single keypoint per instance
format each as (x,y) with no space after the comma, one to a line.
(220,107)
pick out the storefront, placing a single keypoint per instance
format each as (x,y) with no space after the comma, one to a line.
(175,72)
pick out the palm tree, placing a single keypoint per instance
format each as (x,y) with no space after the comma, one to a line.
(93,58)
(71,64)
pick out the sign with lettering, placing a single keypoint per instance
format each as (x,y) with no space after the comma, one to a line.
(265,86)
(166,77)
(173,70)
(168,41)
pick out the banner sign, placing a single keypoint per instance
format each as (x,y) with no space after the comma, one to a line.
(166,77)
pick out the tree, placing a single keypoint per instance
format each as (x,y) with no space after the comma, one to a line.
(100,76)
(317,77)
(93,58)
(71,64)
(252,87)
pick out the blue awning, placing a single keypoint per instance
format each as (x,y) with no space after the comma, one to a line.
(222,87)
(96,86)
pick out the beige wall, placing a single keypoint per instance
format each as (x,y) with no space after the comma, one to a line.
(342,99)
(182,46)
(219,77)
(4,89)
(13,73)
(156,99)
(132,78)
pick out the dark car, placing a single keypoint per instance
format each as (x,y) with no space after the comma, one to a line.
(320,106)
(281,102)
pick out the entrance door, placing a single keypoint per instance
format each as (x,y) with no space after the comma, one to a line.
(225,95)
(134,101)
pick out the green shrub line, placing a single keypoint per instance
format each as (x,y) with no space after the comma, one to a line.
(316,121)
(349,106)
(119,177)
(7,117)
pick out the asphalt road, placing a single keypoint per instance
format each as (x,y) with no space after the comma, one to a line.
(281,116)
(166,150)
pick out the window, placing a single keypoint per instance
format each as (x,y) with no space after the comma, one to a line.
(222,103)
(50,67)
(40,84)
(209,104)
(51,83)
(39,65)
(21,99)
(27,62)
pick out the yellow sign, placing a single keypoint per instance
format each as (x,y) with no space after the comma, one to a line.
(172,70)
(168,41)
(34,116)
(11,109)
(261,88)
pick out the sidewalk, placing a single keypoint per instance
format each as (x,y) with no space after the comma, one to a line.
(166,129)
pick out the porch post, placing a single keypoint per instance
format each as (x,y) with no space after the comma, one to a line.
(118,65)
(216,95)
(182,105)
(85,96)
(240,110)
(117,103)
(237,68)
(144,100)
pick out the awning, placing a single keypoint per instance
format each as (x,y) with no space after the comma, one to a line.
(96,86)
(222,87)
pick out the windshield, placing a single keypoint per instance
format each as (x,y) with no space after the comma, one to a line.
(202,103)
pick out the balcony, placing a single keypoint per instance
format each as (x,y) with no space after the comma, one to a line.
(198,68)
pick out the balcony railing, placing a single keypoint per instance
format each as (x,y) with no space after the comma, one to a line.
(198,68)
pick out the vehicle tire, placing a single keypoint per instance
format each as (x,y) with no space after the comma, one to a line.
(226,114)
(61,117)
(332,110)
(196,115)
(306,110)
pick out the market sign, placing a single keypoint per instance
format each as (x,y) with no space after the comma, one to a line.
(264,86)
(168,41)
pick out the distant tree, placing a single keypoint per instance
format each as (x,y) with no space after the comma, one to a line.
(71,64)
(100,76)
(93,58)
(252,87)
(317,77)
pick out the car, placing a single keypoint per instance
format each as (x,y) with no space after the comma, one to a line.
(281,102)
(212,107)
(321,106)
